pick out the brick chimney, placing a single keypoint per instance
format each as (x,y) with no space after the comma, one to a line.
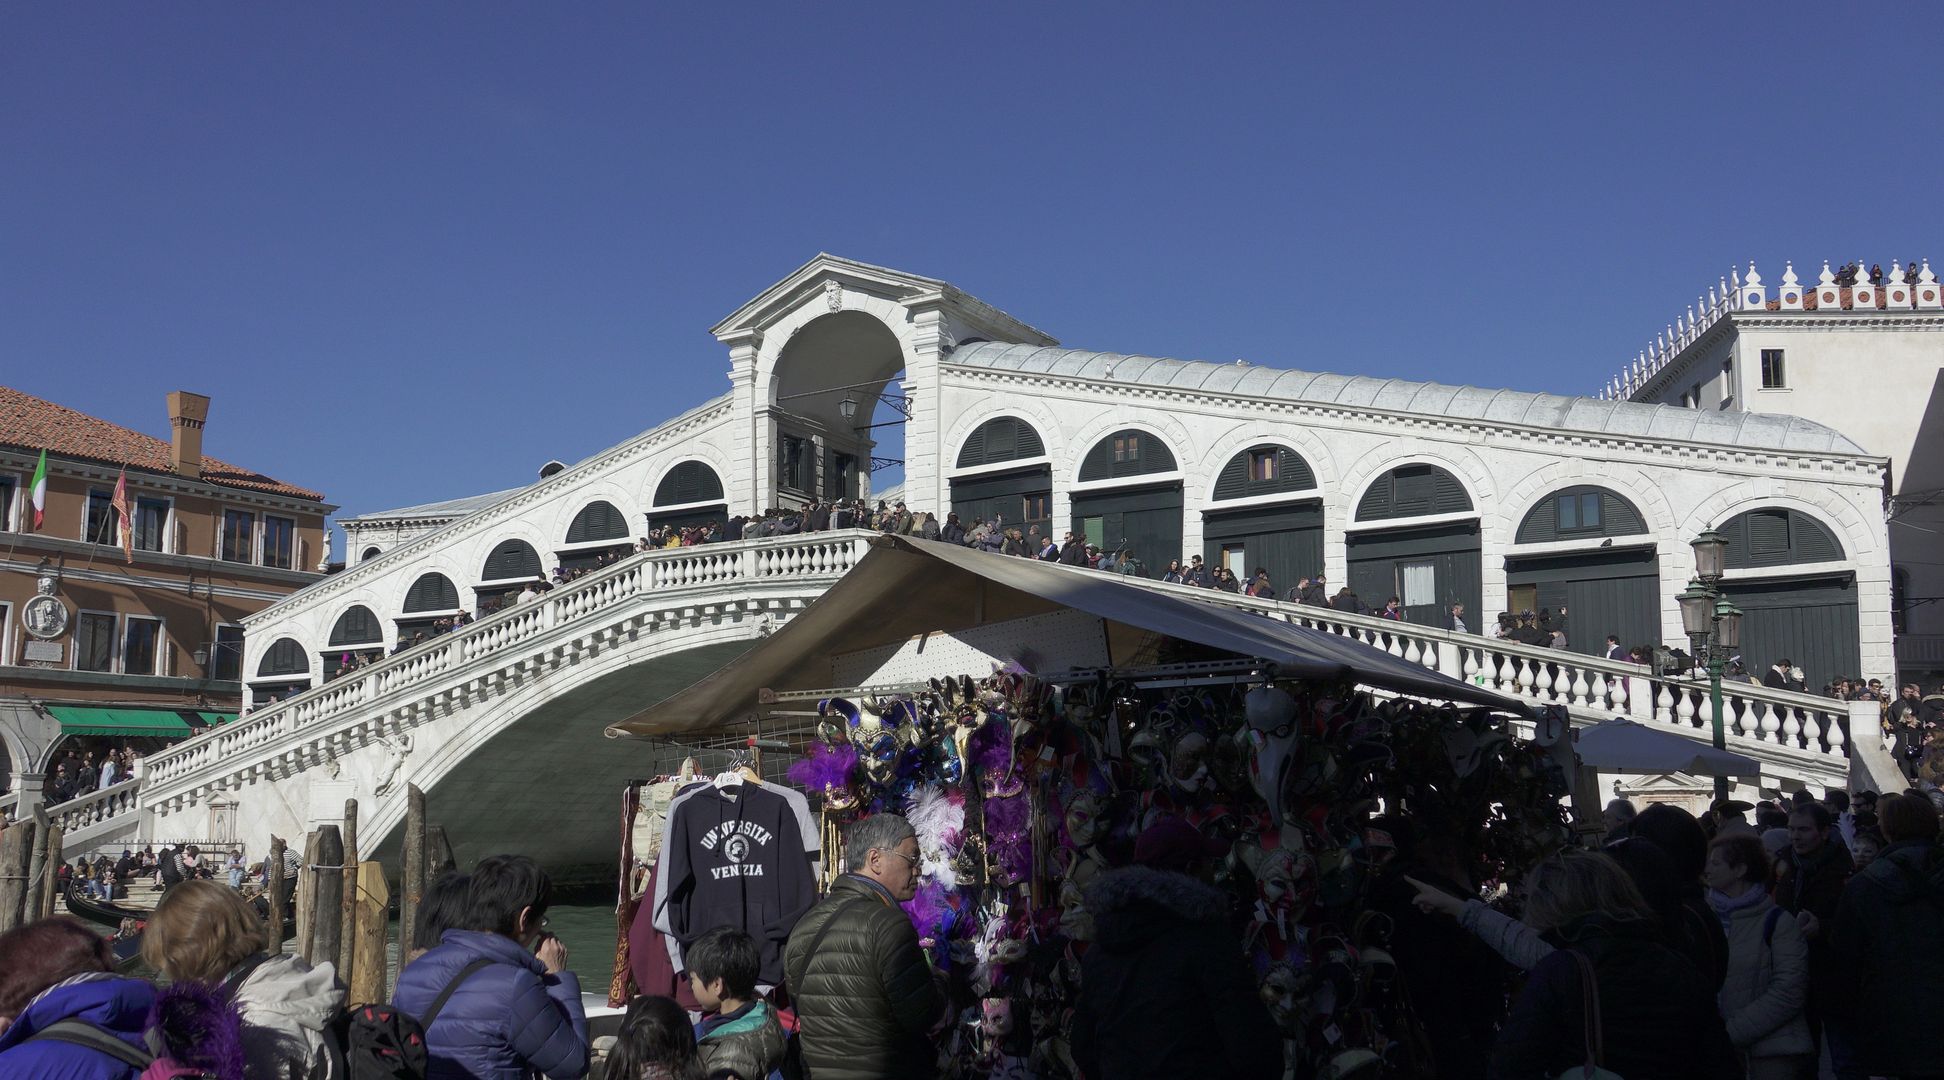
(187,412)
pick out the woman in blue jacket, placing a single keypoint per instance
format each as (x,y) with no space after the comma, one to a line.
(508,1012)
(58,970)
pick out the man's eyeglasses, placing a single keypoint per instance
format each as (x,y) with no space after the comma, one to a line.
(912,859)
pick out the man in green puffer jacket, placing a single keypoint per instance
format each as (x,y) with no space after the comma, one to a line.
(865,998)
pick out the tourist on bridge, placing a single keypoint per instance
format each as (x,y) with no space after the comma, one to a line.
(514,1008)
(867,1004)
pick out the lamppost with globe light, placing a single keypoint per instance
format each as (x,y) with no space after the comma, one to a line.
(1713,627)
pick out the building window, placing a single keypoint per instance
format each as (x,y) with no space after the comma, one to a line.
(1262,464)
(1037,507)
(279,542)
(239,531)
(226,654)
(1579,512)
(141,645)
(1696,395)
(151,524)
(843,471)
(1417,584)
(1235,559)
(1127,448)
(1774,376)
(94,642)
(794,458)
(101,518)
(6,503)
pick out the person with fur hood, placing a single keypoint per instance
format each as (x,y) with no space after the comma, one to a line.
(205,936)
(1164,991)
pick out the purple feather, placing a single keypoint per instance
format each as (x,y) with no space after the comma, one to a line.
(927,909)
(823,766)
(990,748)
(200,1028)
(1005,821)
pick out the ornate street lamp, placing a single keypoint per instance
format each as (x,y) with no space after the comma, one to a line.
(847,408)
(1713,628)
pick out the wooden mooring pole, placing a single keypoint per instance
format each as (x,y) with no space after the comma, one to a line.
(327,908)
(348,911)
(412,870)
(51,873)
(16,850)
(273,891)
(36,867)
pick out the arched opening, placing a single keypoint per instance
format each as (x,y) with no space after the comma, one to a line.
(1810,616)
(370,553)
(510,567)
(1393,550)
(1130,517)
(1020,496)
(429,606)
(1265,514)
(356,638)
(1610,588)
(688,497)
(284,670)
(817,451)
(599,532)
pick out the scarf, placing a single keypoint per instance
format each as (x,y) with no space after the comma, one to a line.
(1726,906)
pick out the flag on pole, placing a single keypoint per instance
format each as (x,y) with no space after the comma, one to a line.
(38,490)
(120,503)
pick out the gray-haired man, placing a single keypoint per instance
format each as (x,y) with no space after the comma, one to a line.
(866,1002)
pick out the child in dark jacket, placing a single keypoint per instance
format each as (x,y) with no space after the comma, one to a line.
(739,1034)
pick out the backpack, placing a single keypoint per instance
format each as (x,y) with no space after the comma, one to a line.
(376,1041)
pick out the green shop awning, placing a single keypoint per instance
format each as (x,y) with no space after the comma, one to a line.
(216,719)
(86,720)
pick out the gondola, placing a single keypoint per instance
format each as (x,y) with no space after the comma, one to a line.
(128,949)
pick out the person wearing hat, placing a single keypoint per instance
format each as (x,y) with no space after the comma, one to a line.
(1731,818)
(1164,991)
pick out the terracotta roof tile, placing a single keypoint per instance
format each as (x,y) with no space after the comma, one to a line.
(34,424)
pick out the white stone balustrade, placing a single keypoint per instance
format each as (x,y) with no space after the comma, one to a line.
(95,807)
(300,730)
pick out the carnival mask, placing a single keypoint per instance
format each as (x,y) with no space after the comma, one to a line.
(1188,764)
(1075,921)
(1272,737)
(1084,818)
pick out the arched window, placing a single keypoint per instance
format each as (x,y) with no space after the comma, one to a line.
(357,626)
(1413,491)
(688,482)
(511,560)
(432,592)
(1580,512)
(1263,470)
(284,657)
(1774,536)
(597,521)
(370,553)
(1127,452)
(1002,438)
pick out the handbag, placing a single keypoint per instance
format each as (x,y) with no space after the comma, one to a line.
(1595,1042)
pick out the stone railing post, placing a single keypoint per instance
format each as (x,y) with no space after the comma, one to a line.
(1640,697)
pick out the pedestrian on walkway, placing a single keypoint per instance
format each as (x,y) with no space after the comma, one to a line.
(1762,999)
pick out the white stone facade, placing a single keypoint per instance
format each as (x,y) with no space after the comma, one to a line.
(836,328)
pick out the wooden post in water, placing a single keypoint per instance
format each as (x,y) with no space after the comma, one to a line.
(348,911)
(36,867)
(412,876)
(273,891)
(307,897)
(370,920)
(16,850)
(51,874)
(438,853)
(327,908)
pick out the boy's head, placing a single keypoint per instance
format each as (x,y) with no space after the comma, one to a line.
(722,966)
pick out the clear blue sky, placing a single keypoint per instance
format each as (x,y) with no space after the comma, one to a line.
(415,250)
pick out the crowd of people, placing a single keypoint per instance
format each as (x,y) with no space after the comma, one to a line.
(87,766)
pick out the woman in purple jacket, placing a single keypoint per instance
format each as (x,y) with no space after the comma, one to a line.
(57,971)
(511,1006)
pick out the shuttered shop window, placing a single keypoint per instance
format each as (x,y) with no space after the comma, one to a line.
(1128,452)
(1775,536)
(511,559)
(357,626)
(1413,491)
(688,482)
(1263,470)
(284,657)
(1576,513)
(432,592)
(1003,438)
(597,521)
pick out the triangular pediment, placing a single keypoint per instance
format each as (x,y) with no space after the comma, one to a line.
(1677,784)
(807,284)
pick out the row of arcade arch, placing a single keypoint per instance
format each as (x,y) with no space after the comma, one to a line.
(1415,534)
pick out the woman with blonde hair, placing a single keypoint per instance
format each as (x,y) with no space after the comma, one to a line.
(1647,1010)
(205,933)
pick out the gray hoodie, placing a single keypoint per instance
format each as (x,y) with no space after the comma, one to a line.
(286,1005)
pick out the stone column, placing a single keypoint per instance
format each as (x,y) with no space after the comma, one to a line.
(28,785)
(927,341)
(750,448)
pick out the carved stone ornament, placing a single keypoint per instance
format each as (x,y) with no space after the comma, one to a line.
(834,295)
(44,616)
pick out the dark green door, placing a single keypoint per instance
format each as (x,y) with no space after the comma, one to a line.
(1428,567)
(1603,592)
(1019,498)
(1145,521)
(1287,541)
(1809,620)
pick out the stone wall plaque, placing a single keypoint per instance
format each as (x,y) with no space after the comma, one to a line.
(43,651)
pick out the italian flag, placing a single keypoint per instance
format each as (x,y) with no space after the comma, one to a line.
(38,490)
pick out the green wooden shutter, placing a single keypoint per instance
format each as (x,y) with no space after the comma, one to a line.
(511,559)
(688,482)
(284,657)
(357,626)
(432,592)
(597,521)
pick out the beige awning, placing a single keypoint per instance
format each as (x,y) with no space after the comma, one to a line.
(903,588)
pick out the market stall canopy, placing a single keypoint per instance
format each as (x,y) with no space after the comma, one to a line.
(1627,746)
(904,588)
